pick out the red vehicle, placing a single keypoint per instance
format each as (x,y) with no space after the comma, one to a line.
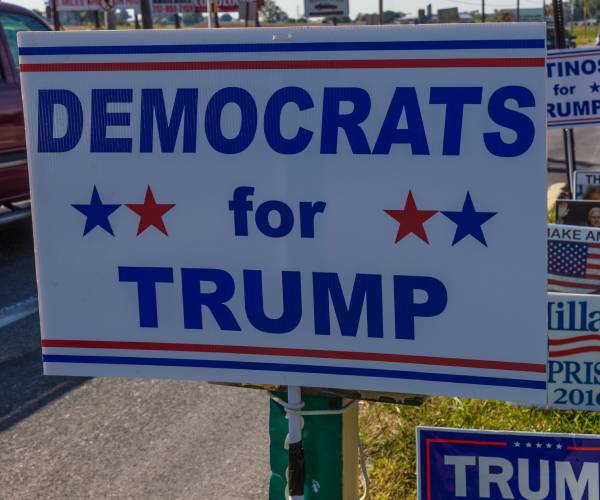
(14,185)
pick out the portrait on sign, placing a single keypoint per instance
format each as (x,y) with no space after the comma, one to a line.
(578,212)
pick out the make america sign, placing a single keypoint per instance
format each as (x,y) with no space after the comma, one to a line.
(307,207)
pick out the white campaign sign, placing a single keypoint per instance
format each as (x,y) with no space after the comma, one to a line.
(573,351)
(321,8)
(573,87)
(307,207)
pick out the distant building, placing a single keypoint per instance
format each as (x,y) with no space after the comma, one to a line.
(525,15)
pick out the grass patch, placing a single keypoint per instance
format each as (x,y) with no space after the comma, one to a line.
(585,35)
(388,432)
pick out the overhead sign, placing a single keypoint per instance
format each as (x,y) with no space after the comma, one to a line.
(323,8)
(573,87)
(158,6)
(574,255)
(461,463)
(574,351)
(275,207)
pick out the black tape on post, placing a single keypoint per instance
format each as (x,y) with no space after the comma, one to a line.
(296,469)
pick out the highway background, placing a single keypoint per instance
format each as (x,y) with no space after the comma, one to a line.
(64,437)
(71,437)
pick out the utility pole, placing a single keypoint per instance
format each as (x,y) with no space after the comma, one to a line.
(483,11)
(568,135)
(110,19)
(518,10)
(146,12)
(380,11)
(55,18)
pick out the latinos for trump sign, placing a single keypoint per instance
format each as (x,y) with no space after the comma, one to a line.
(459,463)
(303,207)
(573,87)
(573,351)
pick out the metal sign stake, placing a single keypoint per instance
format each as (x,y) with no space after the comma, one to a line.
(295,451)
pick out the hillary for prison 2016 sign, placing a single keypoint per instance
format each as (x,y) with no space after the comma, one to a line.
(296,206)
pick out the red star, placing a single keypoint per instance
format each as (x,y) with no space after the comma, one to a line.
(411,220)
(151,213)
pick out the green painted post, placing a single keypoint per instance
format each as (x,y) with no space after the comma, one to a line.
(322,440)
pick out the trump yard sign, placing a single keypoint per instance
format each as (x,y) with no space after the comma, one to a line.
(461,463)
(310,207)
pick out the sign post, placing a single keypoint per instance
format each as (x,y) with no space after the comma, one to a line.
(568,134)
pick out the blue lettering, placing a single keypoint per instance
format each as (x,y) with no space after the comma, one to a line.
(455,99)
(406,310)
(194,298)
(349,122)
(405,98)
(520,123)
(366,288)
(146,279)
(102,119)
(275,105)
(153,105)
(248,122)
(47,100)
(292,302)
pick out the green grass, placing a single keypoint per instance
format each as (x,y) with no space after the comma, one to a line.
(586,35)
(388,432)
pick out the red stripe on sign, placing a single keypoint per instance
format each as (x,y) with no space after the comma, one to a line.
(429,441)
(594,245)
(573,284)
(564,120)
(306,353)
(258,65)
(572,340)
(593,266)
(575,350)
(582,448)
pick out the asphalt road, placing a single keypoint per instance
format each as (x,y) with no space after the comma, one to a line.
(587,152)
(67,437)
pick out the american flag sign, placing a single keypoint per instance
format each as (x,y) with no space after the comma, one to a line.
(573,259)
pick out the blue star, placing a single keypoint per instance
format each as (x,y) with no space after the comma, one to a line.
(96,213)
(595,88)
(469,222)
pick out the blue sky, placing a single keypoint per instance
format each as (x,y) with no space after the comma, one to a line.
(293,7)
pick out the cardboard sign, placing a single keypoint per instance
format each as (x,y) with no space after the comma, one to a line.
(573,87)
(587,184)
(306,207)
(460,463)
(574,351)
(573,259)
(323,8)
